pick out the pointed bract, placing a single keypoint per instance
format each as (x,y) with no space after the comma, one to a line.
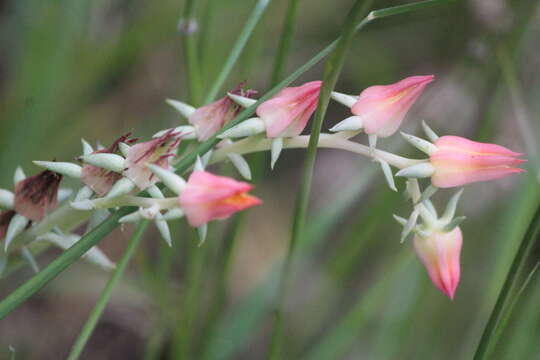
(7,199)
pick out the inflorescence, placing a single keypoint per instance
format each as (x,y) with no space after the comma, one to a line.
(115,176)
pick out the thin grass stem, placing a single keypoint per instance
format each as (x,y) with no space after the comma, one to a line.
(509,290)
(331,72)
(105,295)
(239,45)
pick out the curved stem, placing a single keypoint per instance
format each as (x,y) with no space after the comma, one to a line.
(331,141)
(128,200)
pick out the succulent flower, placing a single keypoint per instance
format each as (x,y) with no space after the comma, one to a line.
(288,112)
(458,161)
(437,240)
(440,253)
(379,110)
(208,197)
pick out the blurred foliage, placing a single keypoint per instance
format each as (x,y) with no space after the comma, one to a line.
(96,69)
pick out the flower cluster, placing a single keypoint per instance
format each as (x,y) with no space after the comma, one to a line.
(113,176)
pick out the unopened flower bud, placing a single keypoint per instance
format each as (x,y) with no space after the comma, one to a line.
(382,108)
(288,112)
(208,197)
(440,254)
(459,161)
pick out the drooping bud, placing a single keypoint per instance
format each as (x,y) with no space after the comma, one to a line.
(440,254)
(459,161)
(208,197)
(288,112)
(383,107)
(99,179)
(156,151)
(35,194)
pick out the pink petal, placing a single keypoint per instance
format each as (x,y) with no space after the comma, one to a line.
(383,107)
(459,161)
(287,113)
(209,119)
(203,186)
(440,254)
(98,179)
(209,197)
(457,143)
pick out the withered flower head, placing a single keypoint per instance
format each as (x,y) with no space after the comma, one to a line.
(35,194)
(210,118)
(101,180)
(156,151)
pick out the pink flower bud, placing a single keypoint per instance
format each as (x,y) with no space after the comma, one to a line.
(210,118)
(440,253)
(383,107)
(101,180)
(459,161)
(157,152)
(5,219)
(207,197)
(35,194)
(287,113)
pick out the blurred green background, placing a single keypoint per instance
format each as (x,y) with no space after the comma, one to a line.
(97,69)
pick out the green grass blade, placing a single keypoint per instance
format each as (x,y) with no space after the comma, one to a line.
(190,46)
(67,258)
(402,9)
(509,289)
(259,161)
(105,295)
(331,73)
(285,42)
(254,18)
(346,331)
